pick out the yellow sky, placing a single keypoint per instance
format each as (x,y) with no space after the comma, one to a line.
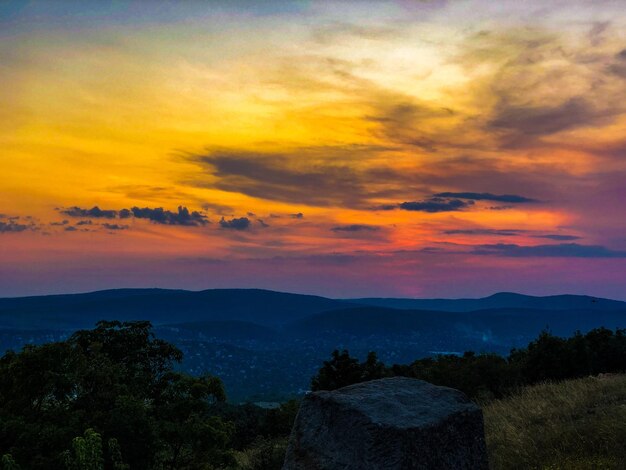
(340,112)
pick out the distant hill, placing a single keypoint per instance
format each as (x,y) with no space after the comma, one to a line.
(496,301)
(268,344)
(160,306)
(268,308)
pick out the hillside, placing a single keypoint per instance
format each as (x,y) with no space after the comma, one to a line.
(160,306)
(497,301)
(498,326)
(572,425)
(266,345)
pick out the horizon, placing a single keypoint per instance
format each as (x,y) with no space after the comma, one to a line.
(345,149)
(310,294)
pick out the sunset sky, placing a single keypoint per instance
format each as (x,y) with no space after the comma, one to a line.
(365,148)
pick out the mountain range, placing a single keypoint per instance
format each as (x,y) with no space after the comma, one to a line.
(267,344)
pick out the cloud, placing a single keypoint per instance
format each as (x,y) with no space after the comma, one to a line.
(484,231)
(562,250)
(619,66)
(241,223)
(59,224)
(435,204)
(84,222)
(70,229)
(432,205)
(509,233)
(299,215)
(355,228)
(159,215)
(558,237)
(317,176)
(545,120)
(509,198)
(11,226)
(115,226)
(453,201)
(17,224)
(94,212)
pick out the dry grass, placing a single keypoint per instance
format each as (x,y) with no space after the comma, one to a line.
(577,424)
(264,454)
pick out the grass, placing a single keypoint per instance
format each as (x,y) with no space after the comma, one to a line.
(264,454)
(576,424)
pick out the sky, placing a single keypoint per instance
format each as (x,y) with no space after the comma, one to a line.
(341,148)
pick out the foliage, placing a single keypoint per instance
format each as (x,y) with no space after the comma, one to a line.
(574,424)
(114,384)
(487,376)
(343,370)
(252,423)
(7,463)
(264,454)
(116,388)
(87,452)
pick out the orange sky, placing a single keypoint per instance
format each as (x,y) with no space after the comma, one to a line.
(350,148)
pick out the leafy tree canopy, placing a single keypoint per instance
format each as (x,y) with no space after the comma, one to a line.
(116,385)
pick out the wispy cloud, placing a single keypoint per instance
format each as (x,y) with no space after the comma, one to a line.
(509,198)
(563,250)
(355,228)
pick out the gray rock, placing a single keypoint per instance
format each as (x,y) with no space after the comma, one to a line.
(395,423)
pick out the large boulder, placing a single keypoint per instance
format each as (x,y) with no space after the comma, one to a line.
(394,423)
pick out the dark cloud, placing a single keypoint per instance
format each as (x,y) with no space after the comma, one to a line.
(386,207)
(355,228)
(558,237)
(241,223)
(61,223)
(159,215)
(520,125)
(404,122)
(510,198)
(84,222)
(509,233)
(94,212)
(619,65)
(543,120)
(436,204)
(454,201)
(484,231)
(11,226)
(156,215)
(70,229)
(562,250)
(299,215)
(115,226)
(312,176)
(17,224)
(262,223)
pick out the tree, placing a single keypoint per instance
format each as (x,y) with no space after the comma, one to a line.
(118,383)
(343,370)
(86,452)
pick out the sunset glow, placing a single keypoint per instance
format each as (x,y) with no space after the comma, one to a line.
(406,148)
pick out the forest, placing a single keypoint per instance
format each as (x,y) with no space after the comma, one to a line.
(112,398)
